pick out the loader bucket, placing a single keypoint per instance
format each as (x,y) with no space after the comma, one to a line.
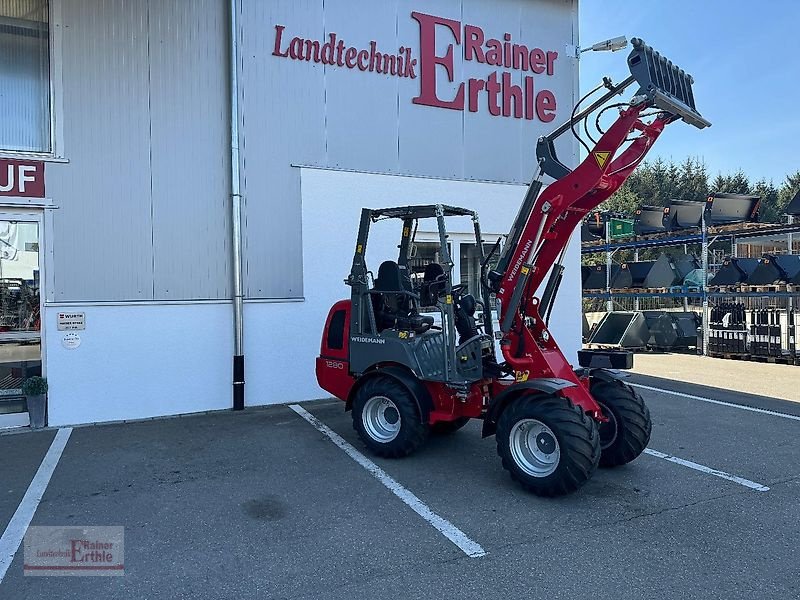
(766,272)
(662,274)
(662,330)
(794,205)
(723,209)
(686,214)
(586,235)
(783,268)
(684,264)
(621,329)
(639,271)
(789,265)
(664,84)
(651,219)
(734,270)
(596,280)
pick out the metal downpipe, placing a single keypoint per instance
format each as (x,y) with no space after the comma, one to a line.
(236,218)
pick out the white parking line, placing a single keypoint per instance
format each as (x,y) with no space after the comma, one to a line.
(698,467)
(445,527)
(720,402)
(15,532)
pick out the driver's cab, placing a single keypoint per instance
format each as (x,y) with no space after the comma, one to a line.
(413,314)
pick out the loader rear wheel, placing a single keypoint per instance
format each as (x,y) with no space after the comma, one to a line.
(627,432)
(448,427)
(386,418)
(547,444)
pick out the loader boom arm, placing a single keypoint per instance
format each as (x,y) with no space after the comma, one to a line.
(546,220)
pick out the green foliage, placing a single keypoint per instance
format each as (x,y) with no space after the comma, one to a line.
(34,386)
(656,183)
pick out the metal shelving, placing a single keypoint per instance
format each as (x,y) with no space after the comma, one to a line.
(705,237)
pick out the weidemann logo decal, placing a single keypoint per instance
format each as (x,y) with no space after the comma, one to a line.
(496,93)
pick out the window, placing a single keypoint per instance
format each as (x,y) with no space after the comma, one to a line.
(24,76)
(471,267)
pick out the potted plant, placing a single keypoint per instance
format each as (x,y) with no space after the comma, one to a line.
(35,392)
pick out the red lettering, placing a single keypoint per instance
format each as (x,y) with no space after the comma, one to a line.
(507,50)
(537,61)
(473,40)
(529,112)
(511,91)
(551,58)
(410,64)
(327,50)
(475,86)
(339,51)
(296,48)
(494,55)
(349,58)
(278,35)
(492,88)
(375,57)
(545,106)
(363,58)
(312,49)
(520,53)
(429,60)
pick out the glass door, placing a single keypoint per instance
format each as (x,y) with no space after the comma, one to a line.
(20,313)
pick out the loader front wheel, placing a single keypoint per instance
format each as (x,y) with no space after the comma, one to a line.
(547,444)
(386,418)
(627,432)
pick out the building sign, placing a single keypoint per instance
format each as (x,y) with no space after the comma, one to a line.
(21,178)
(71,321)
(495,93)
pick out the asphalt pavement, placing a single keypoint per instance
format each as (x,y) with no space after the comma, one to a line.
(262,504)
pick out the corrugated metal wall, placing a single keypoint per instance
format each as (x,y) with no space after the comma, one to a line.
(144,199)
(306,113)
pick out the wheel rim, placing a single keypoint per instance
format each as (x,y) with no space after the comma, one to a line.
(608,430)
(381,419)
(534,447)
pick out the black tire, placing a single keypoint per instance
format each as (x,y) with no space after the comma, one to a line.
(412,432)
(575,432)
(627,433)
(448,427)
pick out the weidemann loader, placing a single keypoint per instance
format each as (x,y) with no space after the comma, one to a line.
(404,376)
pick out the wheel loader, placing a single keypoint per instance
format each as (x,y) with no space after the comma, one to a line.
(413,354)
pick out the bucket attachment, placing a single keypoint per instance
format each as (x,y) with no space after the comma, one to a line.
(794,205)
(651,219)
(621,329)
(773,269)
(664,84)
(684,264)
(639,271)
(586,234)
(722,209)
(596,278)
(685,214)
(734,270)
(662,329)
(662,274)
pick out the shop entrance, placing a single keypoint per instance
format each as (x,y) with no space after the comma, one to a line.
(20,312)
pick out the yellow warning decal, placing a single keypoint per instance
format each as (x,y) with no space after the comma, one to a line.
(359,248)
(601,158)
(449,299)
(521,376)
(406,231)
(524,270)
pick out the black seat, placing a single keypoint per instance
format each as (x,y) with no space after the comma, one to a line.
(433,284)
(394,306)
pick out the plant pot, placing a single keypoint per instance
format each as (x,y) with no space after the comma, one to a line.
(36,410)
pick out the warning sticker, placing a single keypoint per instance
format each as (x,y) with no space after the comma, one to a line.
(601,158)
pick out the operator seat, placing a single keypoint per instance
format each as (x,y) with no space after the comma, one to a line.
(433,284)
(394,307)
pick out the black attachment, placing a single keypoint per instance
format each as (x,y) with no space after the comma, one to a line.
(605,359)
(664,84)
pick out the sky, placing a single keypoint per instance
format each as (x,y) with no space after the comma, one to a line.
(745,60)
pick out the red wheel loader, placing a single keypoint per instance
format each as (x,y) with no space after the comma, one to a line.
(405,374)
